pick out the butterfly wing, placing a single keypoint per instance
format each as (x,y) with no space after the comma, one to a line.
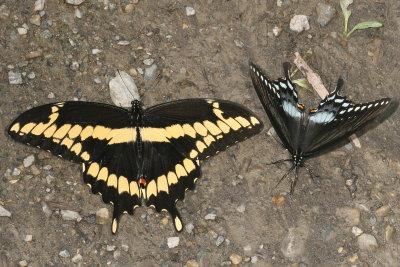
(336,118)
(88,133)
(280,100)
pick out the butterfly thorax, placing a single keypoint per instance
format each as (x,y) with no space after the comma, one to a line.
(137,113)
(137,122)
(297,160)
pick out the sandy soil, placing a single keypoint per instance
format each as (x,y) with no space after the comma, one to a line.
(204,55)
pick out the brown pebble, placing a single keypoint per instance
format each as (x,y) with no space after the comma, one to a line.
(35,170)
(164,221)
(382,211)
(278,200)
(192,263)
(96,69)
(33,54)
(389,231)
(235,258)
(35,19)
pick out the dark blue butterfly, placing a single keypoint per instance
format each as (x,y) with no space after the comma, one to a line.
(306,134)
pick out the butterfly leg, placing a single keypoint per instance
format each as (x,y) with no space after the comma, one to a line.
(293,180)
(278,161)
(284,176)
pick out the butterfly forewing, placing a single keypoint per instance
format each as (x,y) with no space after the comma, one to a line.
(155,160)
(280,100)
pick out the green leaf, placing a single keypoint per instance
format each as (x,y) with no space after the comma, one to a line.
(364,25)
(303,83)
(346,13)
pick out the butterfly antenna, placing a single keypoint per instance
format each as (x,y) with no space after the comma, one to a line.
(286,70)
(294,181)
(284,176)
(119,73)
(278,161)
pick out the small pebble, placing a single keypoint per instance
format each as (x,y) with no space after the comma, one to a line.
(247,248)
(125,247)
(299,23)
(123,43)
(28,238)
(382,211)
(210,216)
(294,244)
(77,258)
(78,14)
(23,263)
(102,216)
(389,231)
(70,215)
(190,11)
(39,5)
(97,80)
(16,172)
(96,51)
(254,259)
(129,8)
(31,75)
(192,263)
(64,253)
(4,212)
(220,240)
(35,19)
(14,77)
(276,31)
(46,34)
(22,31)
(28,161)
(33,54)
(356,231)
(74,65)
(22,64)
(367,242)
(241,208)
(35,170)
(325,13)
(50,178)
(51,95)
(235,258)
(279,3)
(148,61)
(46,209)
(150,73)
(173,241)
(238,43)
(189,228)
(117,254)
(110,248)
(74,2)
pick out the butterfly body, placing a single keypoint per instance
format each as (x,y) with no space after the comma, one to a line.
(139,155)
(306,134)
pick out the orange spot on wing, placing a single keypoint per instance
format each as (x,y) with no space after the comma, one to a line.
(300,106)
(313,110)
(142,182)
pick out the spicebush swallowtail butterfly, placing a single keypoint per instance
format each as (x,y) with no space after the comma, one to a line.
(128,156)
(307,134)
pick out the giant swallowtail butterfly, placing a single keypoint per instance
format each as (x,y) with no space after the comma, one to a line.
(307,134)
(128,156)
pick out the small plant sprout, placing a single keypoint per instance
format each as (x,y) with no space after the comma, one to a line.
(344,4)
(303,82)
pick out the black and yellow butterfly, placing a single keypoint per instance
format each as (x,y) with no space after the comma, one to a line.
(129,156)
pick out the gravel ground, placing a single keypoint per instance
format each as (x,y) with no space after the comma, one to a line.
(55,51)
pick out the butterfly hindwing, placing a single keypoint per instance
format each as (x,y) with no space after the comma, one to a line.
(280,100)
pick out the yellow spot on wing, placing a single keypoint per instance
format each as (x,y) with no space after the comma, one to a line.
(188,129)
(162,184)
(28,127)
(39,129)
(75,131)
(200,146)
(175,131)
(101,132)
(123,184)
(54,109)
(15,127)
(93,169)
(225,128)
(114,226)
(254,121)
(180,171)
(215,105)
(189,165)
(67,142)
(62,131)
(208,139)
(200,129)
(77,148)
(153,135)
(134,188)
(112,181)
(230,121)
(50,131)
(103,174)
(123,135)
(172,179)
(85,156)
(242,121)
(212,128)
(178,224)
(193,154)
(86,132)
(151,189)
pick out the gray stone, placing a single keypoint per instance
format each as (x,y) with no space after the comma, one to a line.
(102,216)
(14,77)
(123,89)
(220,240)
(70,215)
(293,245)
(190,11)
(77,258)
(325,13)
(299,23)
(173,241)
(64,253)
(28,161)
(31,75)
(210,216)
(4,212)
(150,73)
(148,61)
(74,2)
(46,34)
(241,208)
(238,43)
(367,242)
(189,227)
(39,5)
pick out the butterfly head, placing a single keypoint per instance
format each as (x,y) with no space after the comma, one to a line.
(136,111)
(297,161)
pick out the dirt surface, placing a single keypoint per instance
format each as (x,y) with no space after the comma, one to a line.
(204,55)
